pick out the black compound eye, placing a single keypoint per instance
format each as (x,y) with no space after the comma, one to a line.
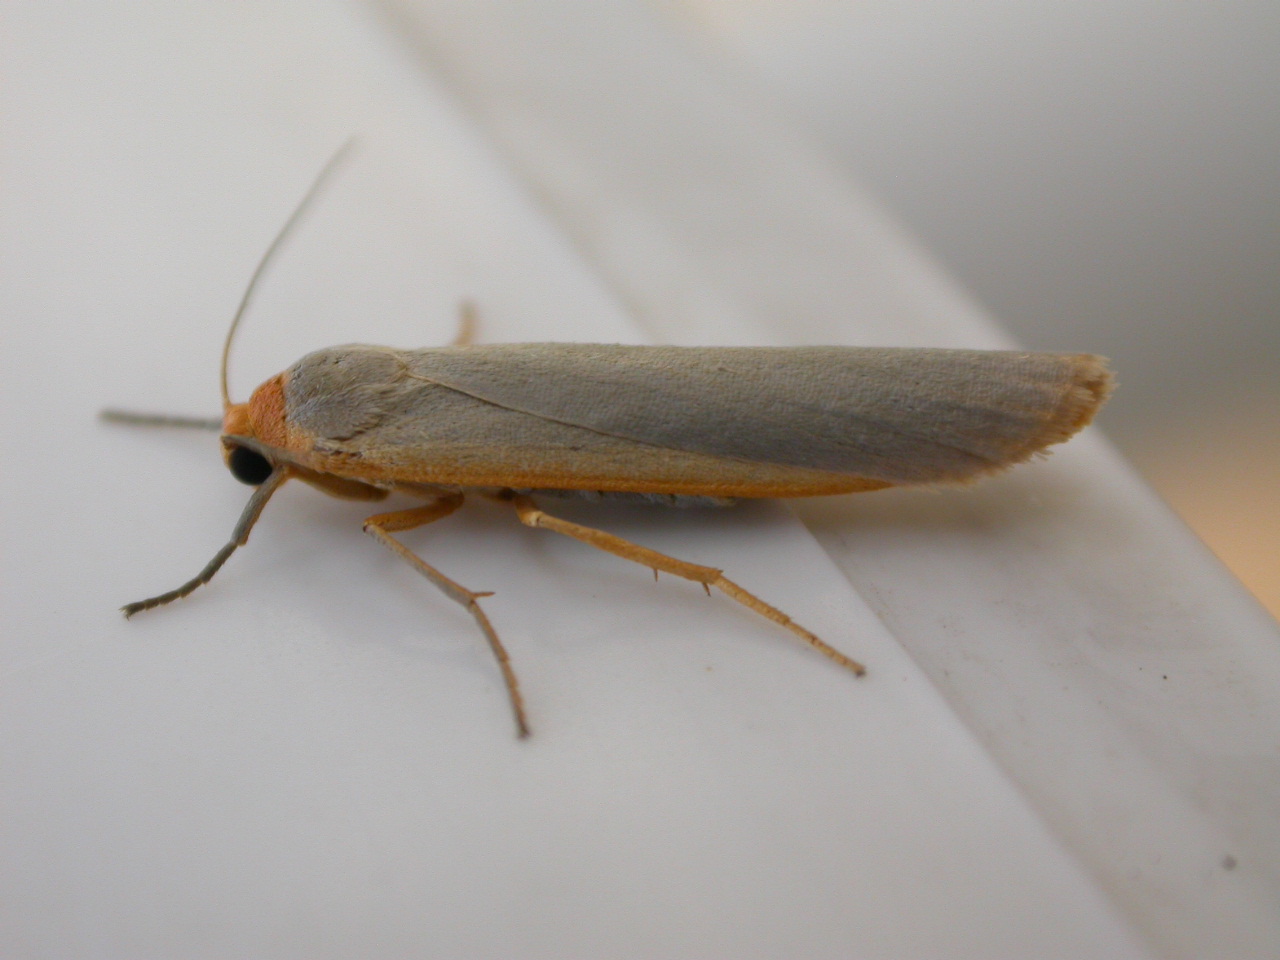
(249,467)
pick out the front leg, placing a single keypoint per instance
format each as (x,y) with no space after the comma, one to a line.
(239,537)
(531,516)
(380,527)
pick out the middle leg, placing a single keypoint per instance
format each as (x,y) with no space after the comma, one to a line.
(380,527)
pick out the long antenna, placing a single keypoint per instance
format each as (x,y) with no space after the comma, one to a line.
(317,185)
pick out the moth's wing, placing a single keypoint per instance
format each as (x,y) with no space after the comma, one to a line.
(889,415)
(382,416)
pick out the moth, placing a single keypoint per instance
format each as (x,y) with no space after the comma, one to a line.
(669,425)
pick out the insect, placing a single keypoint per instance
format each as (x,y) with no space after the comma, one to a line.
(678,425)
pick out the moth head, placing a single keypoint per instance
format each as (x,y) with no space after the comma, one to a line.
(261,422)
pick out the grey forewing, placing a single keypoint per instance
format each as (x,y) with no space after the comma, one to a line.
(898,415)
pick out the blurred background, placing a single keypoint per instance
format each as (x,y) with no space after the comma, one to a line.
(1102,177)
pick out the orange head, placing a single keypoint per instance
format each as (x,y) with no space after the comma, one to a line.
(261,419)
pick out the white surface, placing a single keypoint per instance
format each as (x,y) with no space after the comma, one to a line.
(312,757)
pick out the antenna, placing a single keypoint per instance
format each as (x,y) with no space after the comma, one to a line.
(303,205)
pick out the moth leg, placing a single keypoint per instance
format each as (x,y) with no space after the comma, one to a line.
(380,527)
(239,536)
(467,319)
(531,516)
